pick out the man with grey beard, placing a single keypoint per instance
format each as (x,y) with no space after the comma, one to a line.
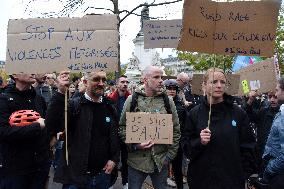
(92,137)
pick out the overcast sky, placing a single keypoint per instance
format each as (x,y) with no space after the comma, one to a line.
(12,9)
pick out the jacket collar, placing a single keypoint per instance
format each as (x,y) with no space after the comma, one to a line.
(27,93)
(90,99)
(228,100)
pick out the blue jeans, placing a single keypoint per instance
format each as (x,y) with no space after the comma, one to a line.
(136,178)
(101,181)
(58,153)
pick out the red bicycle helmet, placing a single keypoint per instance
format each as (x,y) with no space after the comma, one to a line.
(23,117)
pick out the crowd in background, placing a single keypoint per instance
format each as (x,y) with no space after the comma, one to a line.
(230,148)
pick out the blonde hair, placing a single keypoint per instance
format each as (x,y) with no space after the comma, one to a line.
(212,70)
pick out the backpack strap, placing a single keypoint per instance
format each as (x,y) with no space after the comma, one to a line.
(134,102)
(167,103)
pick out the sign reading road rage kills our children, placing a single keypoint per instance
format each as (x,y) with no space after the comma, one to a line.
(41,45)
(229,28)
(142,127)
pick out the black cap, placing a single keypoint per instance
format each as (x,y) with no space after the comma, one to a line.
(111,82)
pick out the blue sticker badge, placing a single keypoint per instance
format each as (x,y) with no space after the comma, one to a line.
(107,119)
(234,123)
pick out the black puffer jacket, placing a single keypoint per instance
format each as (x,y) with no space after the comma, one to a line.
(80,124)
(25,149)
(223,162)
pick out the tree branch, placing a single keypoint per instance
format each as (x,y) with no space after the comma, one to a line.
(148,5)
(98,9)
(137,14)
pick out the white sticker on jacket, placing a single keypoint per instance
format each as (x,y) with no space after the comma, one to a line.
(234,123)
(107,119)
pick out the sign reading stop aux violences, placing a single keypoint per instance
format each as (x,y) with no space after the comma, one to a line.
(41,45)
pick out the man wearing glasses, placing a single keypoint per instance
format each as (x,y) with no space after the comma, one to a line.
(92,136)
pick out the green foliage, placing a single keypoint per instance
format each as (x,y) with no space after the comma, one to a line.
(202,61)
(4,75)
(72,75)
(110,75)
(123,70)
(168,72)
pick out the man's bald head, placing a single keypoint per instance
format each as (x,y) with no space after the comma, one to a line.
(152,79)
(149,70)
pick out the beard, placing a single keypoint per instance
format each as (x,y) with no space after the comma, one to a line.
(98,94)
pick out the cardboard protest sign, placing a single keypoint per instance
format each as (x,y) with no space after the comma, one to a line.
(162,33)
(260,76)
(232,85)
(141,127)
(229,28)
(41,45)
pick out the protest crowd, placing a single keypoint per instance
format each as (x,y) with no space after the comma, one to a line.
(176,131)
(243,138)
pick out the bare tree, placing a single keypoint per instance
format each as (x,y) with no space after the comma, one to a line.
(70,6)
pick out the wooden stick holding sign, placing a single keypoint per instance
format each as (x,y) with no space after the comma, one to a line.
(65,126)
(141,127)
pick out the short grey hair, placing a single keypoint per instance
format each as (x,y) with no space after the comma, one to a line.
(184,76)
(149,69)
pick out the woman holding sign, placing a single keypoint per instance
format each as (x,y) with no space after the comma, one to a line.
(217,139)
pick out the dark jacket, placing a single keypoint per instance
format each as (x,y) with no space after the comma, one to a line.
(80,123)
(45,91)
(223,162)
(181,111)
(25,149)
(263,121)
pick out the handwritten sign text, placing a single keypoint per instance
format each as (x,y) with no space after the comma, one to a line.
(229,28)
(77,44)
(142,127)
